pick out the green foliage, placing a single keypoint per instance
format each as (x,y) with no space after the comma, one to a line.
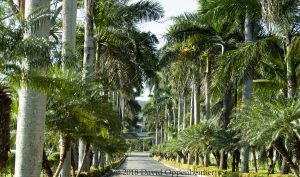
(101,172)
(208,47)
(204,137)
(268,119)
(267,52)
(81,111)
(230,10)
(9,169)
(126,56)
(283,15)
(139,145)
(53,159)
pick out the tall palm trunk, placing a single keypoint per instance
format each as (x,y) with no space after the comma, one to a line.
(196,158)
(84,161)
(189,158)
(169,123)
(207,86)
(179,120)
(95,161)
(270,155)
(167,120)
(88,56)
(223,160)
(99,159)
(116,101)
(107,159)
(247,90)
(161,134)
(196,102)
(174,114)
(102,160)
(291,89)
(235,160)
(74,159)
(69,14)
(291,73)
(227,105)
(5,106)
(65,171)
(65,144)
(32,108)
(254,161)
(183,113)
(122,107)
(217,156)
(192,105)
(156,134)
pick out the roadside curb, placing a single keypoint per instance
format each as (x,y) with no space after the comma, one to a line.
(122,161)
(177,169)
(110,172)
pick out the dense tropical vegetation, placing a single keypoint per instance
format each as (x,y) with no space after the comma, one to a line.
(224,85)
(226,92)
(68,86)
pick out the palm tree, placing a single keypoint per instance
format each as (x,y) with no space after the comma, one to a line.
(114,57)
(232,9)
(280,20)
(111,33)
(124,55)
(182,48)
(80,112)
(280,117)
(37,58)
(69,12)
(141,46)
(5,102)
(283,16)
(88,57)
(154,115)
(209,37)
(32,104)
(88,60)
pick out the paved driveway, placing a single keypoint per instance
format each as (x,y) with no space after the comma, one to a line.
(140,164)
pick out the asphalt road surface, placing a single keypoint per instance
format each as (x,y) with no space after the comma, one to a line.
(140,164)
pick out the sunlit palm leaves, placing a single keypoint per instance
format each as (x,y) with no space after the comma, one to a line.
(282,16)
(269,119)
(229,9)
(123,51)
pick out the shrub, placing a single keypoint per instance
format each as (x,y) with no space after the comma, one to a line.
(101,172)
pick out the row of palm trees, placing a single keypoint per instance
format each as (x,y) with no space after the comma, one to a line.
(70,80)
(228,85)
